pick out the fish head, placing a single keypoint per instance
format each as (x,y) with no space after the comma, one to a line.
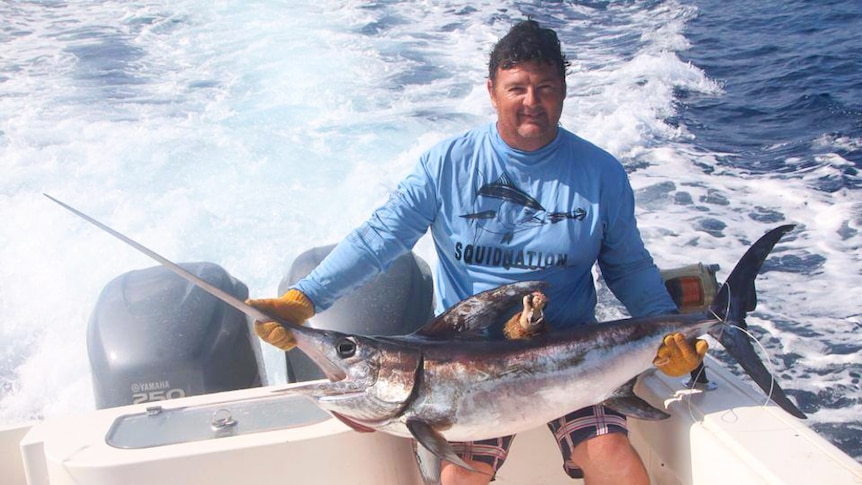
(372,379)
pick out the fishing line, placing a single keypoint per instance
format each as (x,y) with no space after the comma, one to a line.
(768,362)
(764,352)
(691,385)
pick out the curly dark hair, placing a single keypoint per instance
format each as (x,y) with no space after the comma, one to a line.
(527,41)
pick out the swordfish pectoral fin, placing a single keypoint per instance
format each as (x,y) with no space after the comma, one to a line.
(430,465)
(626,402)
(434,442)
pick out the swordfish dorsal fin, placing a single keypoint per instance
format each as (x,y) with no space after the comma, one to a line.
(469,318)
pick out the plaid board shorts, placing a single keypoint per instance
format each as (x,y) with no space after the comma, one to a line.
(570,430)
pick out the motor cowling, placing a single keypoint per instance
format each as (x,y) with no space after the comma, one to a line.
(398,301)
(153,336)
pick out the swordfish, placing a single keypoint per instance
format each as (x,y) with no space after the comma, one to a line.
(449,382)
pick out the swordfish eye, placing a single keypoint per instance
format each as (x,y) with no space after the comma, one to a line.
(345,348)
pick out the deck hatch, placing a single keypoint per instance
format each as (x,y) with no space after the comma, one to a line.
(159,426)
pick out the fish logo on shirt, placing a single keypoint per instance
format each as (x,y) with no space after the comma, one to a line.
(504,209)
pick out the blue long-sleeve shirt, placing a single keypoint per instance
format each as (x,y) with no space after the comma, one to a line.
(499,215)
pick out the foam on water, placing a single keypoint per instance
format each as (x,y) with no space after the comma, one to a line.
(244,133)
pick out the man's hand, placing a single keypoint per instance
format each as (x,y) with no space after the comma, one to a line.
(293,307)
(676,357)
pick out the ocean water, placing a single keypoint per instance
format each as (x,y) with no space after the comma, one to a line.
(244,132)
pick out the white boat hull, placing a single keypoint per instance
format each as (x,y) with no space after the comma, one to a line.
(723,436)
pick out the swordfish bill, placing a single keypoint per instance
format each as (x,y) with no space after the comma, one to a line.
(450,382)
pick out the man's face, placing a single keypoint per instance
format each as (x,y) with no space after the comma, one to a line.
(529,101)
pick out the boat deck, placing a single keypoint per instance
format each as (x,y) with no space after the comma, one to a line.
(728,435)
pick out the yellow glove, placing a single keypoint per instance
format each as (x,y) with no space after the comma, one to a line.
(293,307)
(677,357)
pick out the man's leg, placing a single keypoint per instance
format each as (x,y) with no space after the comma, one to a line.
(486,456)
(594,445)
(610,459)
(455,475)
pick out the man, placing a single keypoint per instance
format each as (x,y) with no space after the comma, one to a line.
(519,199)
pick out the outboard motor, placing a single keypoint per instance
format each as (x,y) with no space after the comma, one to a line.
(154,336)
(396,302)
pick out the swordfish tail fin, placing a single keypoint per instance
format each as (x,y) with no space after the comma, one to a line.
(735,299)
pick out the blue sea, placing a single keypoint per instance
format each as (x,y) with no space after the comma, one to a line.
(243,132)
